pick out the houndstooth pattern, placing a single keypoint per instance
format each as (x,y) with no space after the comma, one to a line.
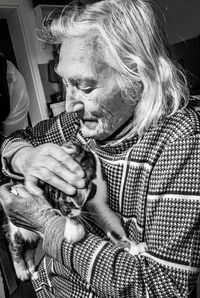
(153,183)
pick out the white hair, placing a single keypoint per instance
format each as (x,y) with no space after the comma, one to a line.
(131,42)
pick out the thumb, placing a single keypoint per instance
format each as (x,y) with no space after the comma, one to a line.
(2,202)
(5,194)
(31,184)
(23,192)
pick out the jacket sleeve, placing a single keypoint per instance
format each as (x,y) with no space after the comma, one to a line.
(170,265)
(55,130)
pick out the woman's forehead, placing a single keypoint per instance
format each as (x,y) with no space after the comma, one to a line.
(78,55)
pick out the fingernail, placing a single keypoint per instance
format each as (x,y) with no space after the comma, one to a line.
(81,173)
(37,192)
(81,183)
(70,190)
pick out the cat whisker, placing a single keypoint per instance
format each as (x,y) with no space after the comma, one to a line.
(79,218)
(89,212)
(81,221)
(85,223)
(91,220)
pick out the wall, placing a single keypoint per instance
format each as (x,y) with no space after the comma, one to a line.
(182,18)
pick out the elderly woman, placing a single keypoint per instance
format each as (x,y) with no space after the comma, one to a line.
(127,101)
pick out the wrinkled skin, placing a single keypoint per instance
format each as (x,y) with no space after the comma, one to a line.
(52,164)
(25,210)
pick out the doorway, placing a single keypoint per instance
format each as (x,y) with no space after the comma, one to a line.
(6,46)
(17,19)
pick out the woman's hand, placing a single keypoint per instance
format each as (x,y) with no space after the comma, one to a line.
(26,210)
(50,163)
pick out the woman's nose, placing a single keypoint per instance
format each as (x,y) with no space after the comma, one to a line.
(73,101)
(71,93)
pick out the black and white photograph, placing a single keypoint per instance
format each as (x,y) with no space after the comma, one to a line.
(100,149)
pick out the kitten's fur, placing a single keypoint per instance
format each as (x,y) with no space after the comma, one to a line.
(23,242)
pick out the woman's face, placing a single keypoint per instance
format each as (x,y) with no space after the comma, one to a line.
(92,90)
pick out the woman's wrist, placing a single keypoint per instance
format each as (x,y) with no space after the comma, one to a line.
(18,161)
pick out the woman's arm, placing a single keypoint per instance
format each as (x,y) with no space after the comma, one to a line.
(35,153)
(170,265)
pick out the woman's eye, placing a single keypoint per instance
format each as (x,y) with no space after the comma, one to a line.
(87,90)
(65,84)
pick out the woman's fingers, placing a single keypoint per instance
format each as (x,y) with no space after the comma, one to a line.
(5,195)
(24,209)
(31,185)
(49,167)
(53,165)
(59,154)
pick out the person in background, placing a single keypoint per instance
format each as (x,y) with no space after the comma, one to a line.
(15,101)
(126,101)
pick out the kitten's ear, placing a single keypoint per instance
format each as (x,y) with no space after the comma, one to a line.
(91,192)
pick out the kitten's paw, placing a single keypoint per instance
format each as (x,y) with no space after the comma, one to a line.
(136,249)
(34,275)
(31,270)
(29,259)
(130,246)
(22,271)
(22,274)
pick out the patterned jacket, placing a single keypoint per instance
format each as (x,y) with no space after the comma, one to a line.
(153,183)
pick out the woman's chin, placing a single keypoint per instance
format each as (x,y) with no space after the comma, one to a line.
(89,132)
(96,132)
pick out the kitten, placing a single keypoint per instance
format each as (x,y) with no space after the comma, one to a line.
(87,202)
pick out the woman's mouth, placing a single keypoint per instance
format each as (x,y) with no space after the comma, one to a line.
(89,123)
